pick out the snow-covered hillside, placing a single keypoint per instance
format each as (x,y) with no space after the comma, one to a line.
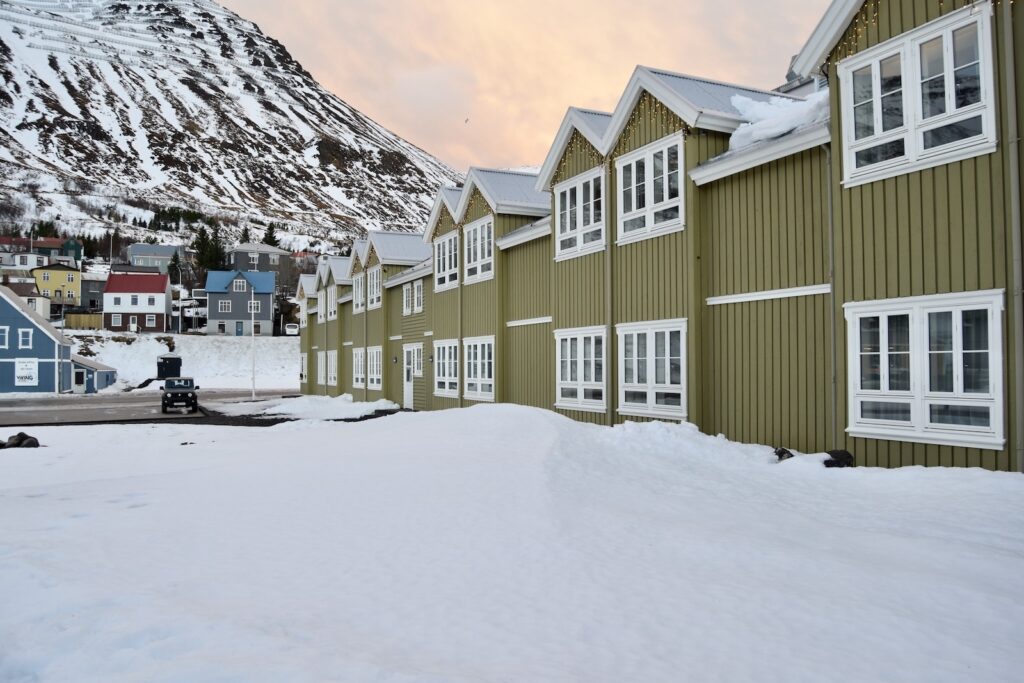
(185,103)
(497,543)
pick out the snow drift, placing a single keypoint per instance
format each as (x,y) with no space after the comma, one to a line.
(776,117)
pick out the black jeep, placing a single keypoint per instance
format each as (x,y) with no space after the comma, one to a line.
(179,392)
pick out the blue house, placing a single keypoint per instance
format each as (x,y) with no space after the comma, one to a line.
(240,302)
(34,356)
(89,376)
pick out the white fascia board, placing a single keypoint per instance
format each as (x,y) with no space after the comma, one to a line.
(538,210)
(764,295)
(572,120)
(345,299)
(760,154)
(423,269)
(825,36)
(529,321)
(435,215)
(467,191)
(509,241)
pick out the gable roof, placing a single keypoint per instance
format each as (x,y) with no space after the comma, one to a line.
(825,36)
(505,192)
(447,197)
(23,288)
(258,247)
(162,250)
(30,313)
(136,283)
(592,125)
(360,250)
(340,266)
(218,281)
(307,284)
(56,265)
(90,363)
(399,248)
(700,102)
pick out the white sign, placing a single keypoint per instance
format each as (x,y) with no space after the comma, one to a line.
(26,372)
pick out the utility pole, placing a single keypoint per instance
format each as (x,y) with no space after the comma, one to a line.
(252,332)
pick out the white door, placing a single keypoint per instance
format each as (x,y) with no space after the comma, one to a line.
(407,381)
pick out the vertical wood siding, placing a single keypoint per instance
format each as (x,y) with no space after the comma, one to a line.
(527,283)
(529,362)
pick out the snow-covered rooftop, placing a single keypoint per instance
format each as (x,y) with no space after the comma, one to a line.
(402,248)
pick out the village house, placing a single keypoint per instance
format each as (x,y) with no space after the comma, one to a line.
(240,302)
(135,302)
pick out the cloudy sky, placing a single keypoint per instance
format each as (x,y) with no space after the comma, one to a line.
(511,67)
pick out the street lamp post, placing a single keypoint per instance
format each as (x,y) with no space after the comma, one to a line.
(252,332)
(181,306)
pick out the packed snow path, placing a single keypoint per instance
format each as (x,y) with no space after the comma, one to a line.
(497,543)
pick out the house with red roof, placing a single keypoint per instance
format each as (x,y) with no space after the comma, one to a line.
(137,302)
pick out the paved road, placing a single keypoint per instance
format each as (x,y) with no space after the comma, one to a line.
(140,405)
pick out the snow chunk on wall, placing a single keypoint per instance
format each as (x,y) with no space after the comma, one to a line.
(776,117)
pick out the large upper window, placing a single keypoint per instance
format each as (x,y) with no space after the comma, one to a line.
(446,262)
(407,299)
(417,296)
(651,368)
(650,194)
(238,285)
(580,363)
(375,368)
(927,369)
(332,367)
(358,368)
(321,367)
(332,302)
(358,293)
(921,99)
(373,288)
(321,306)
(446,368)
(579,215)
(303,367)
(479,250)
(479,358)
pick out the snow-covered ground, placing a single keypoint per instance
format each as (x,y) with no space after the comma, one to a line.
(305,407)
(215,362)
(496,543)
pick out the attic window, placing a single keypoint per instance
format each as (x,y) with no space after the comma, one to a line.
(650,194)
(238,285)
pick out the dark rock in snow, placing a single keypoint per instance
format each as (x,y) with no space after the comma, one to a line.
(840,458)
(783,454)
(22,440)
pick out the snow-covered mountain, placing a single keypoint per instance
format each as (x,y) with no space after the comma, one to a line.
(184,103)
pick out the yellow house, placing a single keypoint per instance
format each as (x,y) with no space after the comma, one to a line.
(61,284)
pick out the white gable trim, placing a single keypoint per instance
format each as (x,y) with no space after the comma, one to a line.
(825,36)
(435,214)
(573,120)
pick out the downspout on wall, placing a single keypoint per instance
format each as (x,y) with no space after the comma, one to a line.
(836,441)
(610,366)
(1017,305)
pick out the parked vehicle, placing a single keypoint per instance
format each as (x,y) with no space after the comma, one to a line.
(179,392)
(291,329)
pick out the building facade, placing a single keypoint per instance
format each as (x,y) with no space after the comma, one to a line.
(240,303)
(135,302)
(61,284)
(847,280)
(34,357)
(265,258)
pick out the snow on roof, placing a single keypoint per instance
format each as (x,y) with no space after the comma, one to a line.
(307,283)
(776,117)
(402,248)
(95,277)
(340,267)
(90,363)
(710,95)
(219,280)
(259,247)
(136,283)
(30,313)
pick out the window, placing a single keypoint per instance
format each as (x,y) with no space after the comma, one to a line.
(927,369)
(4,331)
(303,307)
(46,293)
(321,306)
(24,338)
(257,328)
(417,360)
(358,295)
(135,299)
(222,328)
(480,250)
(303,367)
(46,277)
(407,299)
(358,368)
(117,299)
(238,285)
(152,301)
(332,368)
(446,368)
(275,259)
(652,362)
(921,99)
(374,362)
(71,277)
(150,320)
(71,296)
(479,358)
(417,296)
(253,306)
(115,320)
(321,367)
(650,201)
(332,303)
(254,259)
(580,363)
(446,262)
(579,215)
(224,306)
(373,289)
(23,260)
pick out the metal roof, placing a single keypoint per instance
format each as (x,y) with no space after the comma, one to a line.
(30,313)
(220,280)
(401,248)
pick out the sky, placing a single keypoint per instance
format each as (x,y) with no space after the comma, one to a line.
(487,82)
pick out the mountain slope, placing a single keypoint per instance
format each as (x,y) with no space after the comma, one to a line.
(184,102)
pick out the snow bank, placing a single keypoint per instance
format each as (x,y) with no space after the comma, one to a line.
(306,407)
(215,362)
(776,117)
(496,543)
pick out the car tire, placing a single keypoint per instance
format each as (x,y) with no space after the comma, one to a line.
(194,408)
(163,409)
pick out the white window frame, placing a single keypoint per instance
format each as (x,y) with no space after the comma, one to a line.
(417,359)
(5,334)
(150,320)
(907,45)
(359,293)
(254,258)
(651,387)
(446,368)
(151,301)
(275,259)
(46,276)
(332,303)
(71,278)
(224,306)
(115,319)
(417,296)
(253,306)
(321,368)
(478,242)
(303,306)
(332,367)
(134,298)
(374,290)
(647,153)
(303,367)
(479,363)
(446,262)
(920,397)
(358,368)
(321,306)
(407,299)
(580,385)
(375,368)
(239,285)
(569,216)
